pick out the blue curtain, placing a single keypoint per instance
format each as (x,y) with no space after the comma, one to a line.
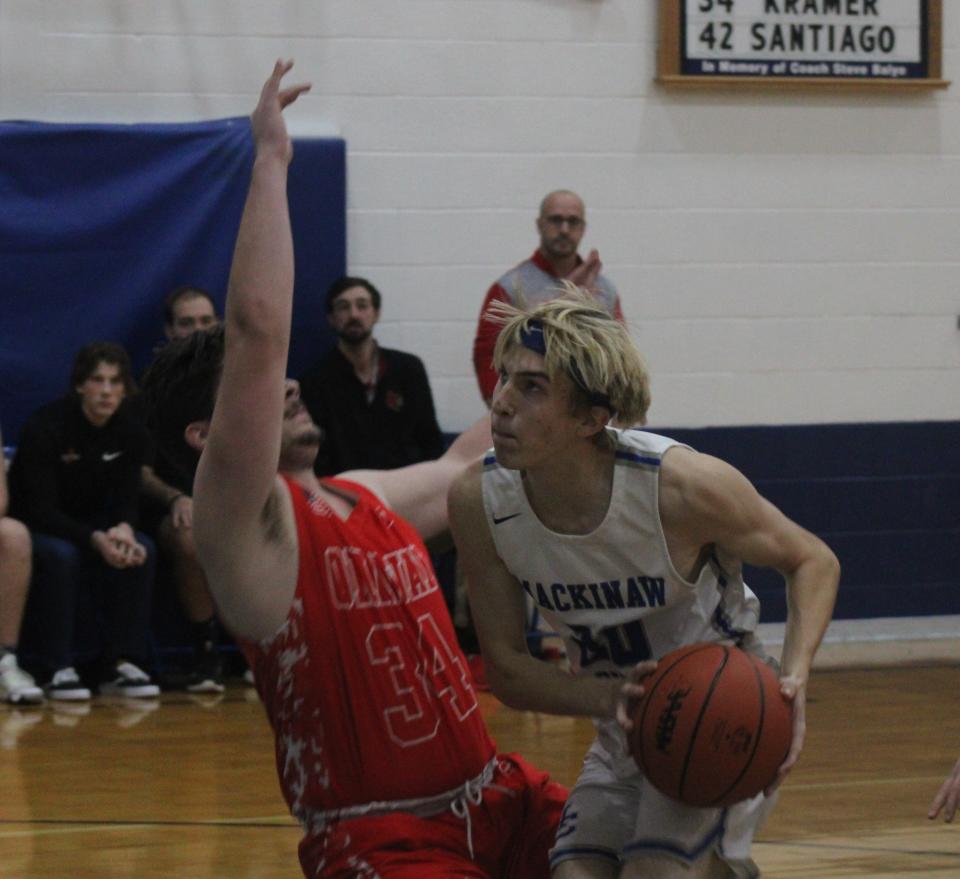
(99,222)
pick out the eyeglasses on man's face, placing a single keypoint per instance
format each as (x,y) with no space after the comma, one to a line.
(558,220)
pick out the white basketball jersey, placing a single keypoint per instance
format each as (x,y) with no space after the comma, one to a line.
(613,595)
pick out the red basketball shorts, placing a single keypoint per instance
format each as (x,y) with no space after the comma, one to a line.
(510,832)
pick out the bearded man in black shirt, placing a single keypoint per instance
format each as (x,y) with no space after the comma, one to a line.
(373,404)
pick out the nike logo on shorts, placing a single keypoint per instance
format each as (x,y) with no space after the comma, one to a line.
(497,521)
(111,456)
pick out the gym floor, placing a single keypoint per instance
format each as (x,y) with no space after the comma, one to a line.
(186,787)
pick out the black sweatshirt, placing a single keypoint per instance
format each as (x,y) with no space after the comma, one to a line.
(398,428)
(69,478)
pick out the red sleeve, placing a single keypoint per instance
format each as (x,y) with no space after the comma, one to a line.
(484,342)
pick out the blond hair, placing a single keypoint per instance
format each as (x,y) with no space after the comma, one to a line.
(583,342)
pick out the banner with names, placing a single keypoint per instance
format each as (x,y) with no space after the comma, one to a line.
(847,39)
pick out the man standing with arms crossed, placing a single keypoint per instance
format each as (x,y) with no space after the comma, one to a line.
(381,749)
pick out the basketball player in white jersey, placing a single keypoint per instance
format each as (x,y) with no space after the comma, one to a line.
(631,545)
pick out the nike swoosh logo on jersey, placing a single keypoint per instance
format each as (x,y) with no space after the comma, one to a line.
(497,521)
(111,456)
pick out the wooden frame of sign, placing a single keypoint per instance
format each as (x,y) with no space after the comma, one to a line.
(842,44)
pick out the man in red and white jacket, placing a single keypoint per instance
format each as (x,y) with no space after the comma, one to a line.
(561,225)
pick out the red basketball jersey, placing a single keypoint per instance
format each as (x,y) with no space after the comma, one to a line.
(367,691)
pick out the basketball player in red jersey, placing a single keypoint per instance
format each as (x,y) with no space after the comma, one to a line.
(380,747)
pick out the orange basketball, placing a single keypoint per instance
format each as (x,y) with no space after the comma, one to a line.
(713,727)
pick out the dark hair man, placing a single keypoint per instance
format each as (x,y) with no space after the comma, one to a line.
(186,310)
(75,482)
(373,404)
(169,510)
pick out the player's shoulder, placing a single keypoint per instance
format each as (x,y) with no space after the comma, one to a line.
(692,481)
(465,488)
(470,475)
(684,465)
(680,467)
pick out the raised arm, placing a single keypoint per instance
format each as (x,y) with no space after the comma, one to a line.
(419,492)
(237,471)
(705,501)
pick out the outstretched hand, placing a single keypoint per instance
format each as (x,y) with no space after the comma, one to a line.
(269,129)
(947,799)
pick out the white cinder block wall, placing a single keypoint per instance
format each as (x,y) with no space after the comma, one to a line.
(784,258)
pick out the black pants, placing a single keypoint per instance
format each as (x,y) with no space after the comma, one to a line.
(68,580)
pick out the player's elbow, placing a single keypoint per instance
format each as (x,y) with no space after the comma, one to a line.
(827,562)
(507,691)
(833,570)
(820,571)
(834,565)
(507,681)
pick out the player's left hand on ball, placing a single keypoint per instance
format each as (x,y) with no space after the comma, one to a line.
(632,691)
(794,689)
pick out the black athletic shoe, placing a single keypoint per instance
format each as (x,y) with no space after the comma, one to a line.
(207,674)
(66,686)
(129,681)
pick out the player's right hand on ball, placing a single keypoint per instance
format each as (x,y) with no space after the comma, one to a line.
(632,692)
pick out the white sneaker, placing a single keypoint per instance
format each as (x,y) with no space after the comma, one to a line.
(16,686)
(65,685)
(130,681)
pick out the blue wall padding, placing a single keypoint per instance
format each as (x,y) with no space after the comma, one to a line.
(99,222)
(885,497)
